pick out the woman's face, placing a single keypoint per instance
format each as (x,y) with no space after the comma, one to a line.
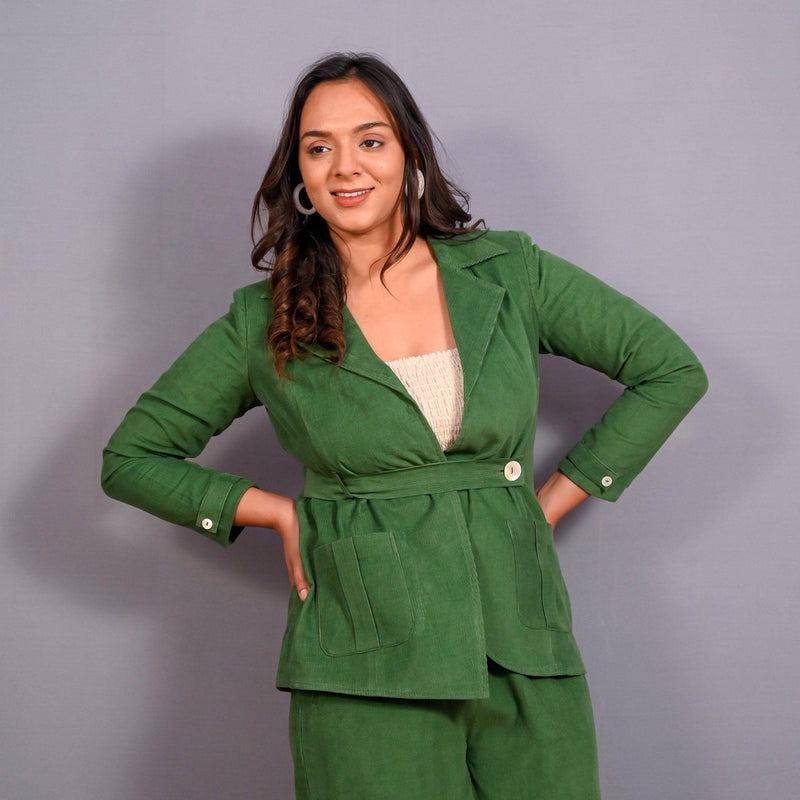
(351,160)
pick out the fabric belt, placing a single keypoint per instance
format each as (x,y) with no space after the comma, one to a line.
(443,476)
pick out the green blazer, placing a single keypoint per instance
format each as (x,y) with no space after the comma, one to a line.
(421,562)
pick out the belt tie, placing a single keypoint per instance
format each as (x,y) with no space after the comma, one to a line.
(442,476)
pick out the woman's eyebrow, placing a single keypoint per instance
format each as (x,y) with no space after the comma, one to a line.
(364,126)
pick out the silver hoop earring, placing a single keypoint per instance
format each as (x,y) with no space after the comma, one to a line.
(307,212)
(420,184)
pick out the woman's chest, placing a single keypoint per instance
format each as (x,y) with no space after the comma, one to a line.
(358,418)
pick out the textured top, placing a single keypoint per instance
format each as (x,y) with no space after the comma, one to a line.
(436,383)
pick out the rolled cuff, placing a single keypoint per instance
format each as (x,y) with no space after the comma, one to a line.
(218,508)
(581,466)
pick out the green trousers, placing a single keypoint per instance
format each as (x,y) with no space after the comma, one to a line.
(531,739)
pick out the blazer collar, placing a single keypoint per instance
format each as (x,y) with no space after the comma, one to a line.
(466,250)
(473,305)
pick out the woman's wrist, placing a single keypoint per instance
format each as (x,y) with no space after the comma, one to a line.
(261,509)
(558,495)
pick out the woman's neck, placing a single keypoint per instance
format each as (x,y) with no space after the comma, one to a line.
(363,268)
(364,255)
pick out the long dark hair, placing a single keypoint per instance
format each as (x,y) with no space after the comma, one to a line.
(308,287)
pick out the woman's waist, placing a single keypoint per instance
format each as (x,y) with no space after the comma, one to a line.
(424,479)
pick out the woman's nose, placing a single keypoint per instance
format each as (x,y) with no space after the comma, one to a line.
(346,162)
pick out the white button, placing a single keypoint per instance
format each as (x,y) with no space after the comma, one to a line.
(607,480)
(207,524)
(512,470)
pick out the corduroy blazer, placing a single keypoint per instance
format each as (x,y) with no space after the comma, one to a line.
(421,562)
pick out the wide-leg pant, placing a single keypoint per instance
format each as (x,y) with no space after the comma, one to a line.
(531,739)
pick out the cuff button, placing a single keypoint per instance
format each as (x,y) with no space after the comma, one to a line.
(207,524)
(607,481)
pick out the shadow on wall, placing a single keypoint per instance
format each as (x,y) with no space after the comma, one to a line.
(214,725)
(626,563)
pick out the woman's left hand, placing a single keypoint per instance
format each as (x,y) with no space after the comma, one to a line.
(558,495)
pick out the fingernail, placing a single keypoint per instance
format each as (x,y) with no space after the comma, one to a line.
(303,594)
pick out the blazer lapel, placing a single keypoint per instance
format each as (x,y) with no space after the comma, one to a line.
(361,358)
(473,303)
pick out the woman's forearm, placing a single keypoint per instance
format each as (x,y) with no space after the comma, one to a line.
(260,509)
(558,495)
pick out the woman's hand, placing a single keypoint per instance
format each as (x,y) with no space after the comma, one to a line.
(558,495)
(261,509)
(289,531)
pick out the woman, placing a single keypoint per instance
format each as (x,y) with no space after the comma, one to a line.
(395,347)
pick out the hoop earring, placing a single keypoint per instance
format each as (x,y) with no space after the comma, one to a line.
(420,184)
(307,212)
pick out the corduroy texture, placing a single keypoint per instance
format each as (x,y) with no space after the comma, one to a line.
(531,739)
(411,590)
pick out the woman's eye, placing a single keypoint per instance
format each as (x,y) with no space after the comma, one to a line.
(316,149)
(371,143)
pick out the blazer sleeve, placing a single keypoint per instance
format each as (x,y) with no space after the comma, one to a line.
(583,319)
(145,462)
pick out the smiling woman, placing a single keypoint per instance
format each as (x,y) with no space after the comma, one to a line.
(352,162)
(429,646)
(353,167)
(391,157)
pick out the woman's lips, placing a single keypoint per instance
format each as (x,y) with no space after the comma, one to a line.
(351,197)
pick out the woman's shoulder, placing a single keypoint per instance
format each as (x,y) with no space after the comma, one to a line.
(251,304)
(503,238)
(259,290)
(474,247)
(253,295)
(517,250)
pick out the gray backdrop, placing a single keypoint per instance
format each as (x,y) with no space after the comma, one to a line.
(654,143)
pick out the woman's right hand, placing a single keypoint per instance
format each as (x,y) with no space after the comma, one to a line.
(261,509)
(290,535)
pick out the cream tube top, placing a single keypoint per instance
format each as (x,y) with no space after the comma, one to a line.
(436,383)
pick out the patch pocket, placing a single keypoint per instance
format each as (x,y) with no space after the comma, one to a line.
(362,594)
(542,599)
